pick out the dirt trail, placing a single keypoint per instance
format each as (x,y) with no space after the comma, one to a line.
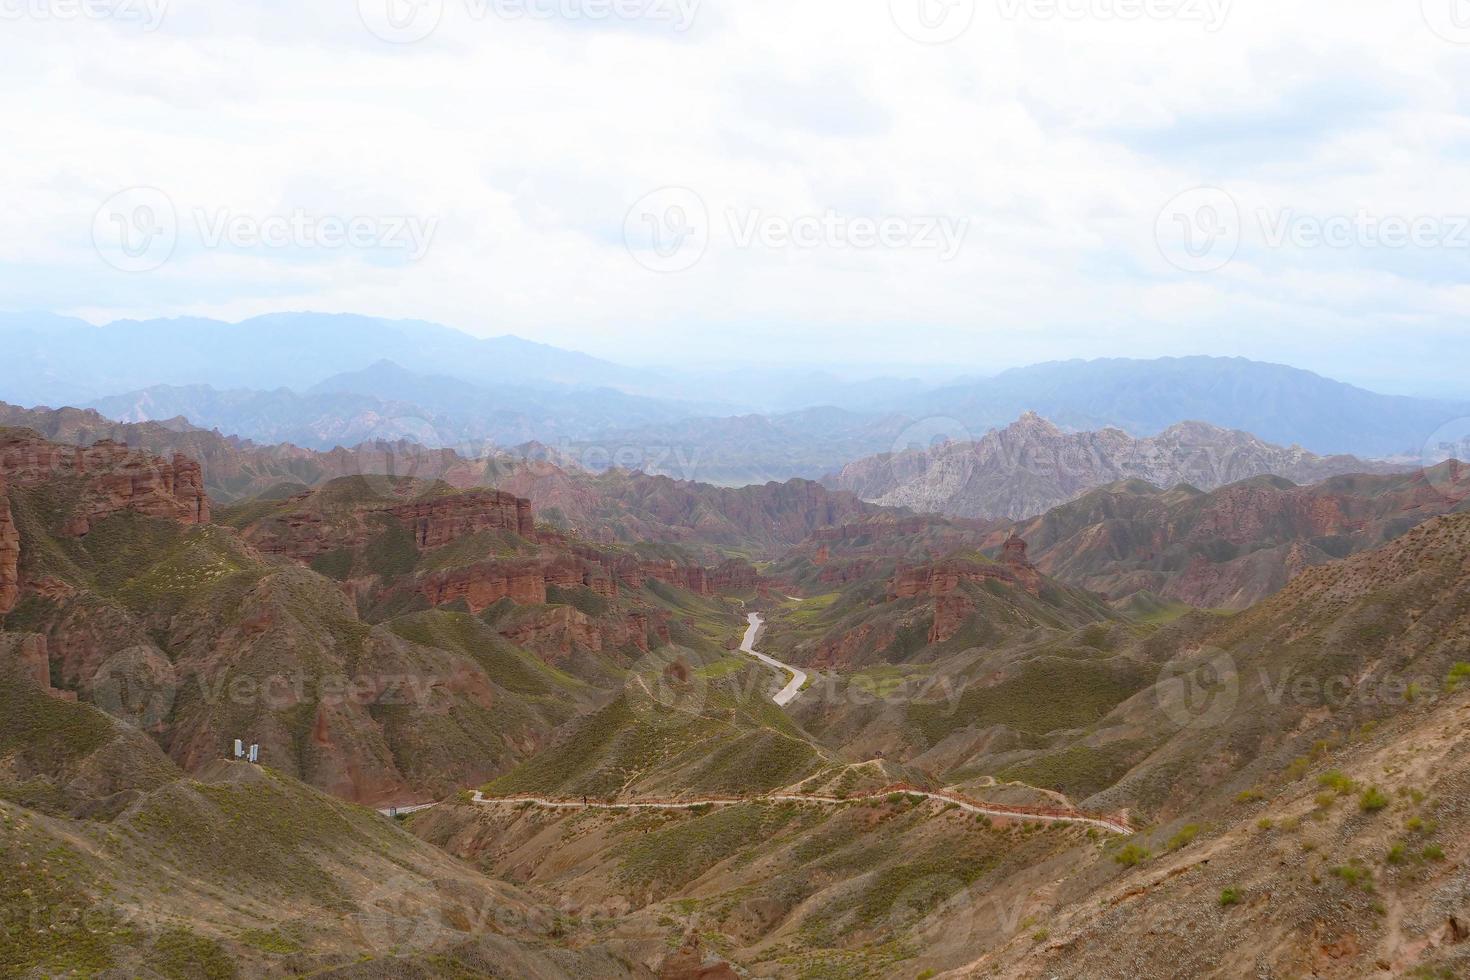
(1112,825)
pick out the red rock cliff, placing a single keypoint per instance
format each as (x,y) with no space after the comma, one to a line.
(9,556)
(437,521)
(117,479)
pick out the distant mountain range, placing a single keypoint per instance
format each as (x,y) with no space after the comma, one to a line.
(61,360)
(385,401)
(1277,403)
(1031,466)
(323,380)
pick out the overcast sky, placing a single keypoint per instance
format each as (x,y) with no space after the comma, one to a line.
(965,183)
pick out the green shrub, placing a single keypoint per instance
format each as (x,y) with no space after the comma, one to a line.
(1131,855)
(1432,852)
(1354,876)
(1337,782)
(1186,834)
(1373,800)
(1229,897)
(1397,853)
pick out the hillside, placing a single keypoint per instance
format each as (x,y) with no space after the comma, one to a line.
(1031,466)
(1303,758)
(1231,547)
(113,862)
(1294,770)
(382,639)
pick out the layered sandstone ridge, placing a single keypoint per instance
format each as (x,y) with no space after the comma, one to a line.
(311,527)
(943,581)
(526,580)
(116,479)
(108,478)
(9,555)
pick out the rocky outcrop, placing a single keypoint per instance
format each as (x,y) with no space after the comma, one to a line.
(1013,554)
(481,586)
(733,576)
(438,521)
(28,652)
(943,578)
(9,556)
(113,479)
(1032,466)
(315,522)
(942,582)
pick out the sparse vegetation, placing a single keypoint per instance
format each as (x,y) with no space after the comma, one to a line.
(1354,876)
(1230,896)
(1372,800)
(1184,836)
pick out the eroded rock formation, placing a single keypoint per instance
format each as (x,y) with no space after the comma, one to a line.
(942,582)
(9,555)
(115,479)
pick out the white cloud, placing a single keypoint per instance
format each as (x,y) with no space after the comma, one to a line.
(1059,140)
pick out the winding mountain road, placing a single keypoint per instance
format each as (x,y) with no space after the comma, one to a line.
(784,697)
(1109,824)
(788,693)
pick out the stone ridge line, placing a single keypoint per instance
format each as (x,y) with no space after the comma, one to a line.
(1110,824)
(792,690)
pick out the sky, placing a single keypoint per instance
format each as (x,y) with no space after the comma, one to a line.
(962,185)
